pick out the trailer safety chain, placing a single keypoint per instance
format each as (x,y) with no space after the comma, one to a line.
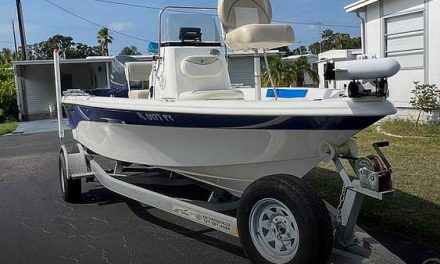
(339,208)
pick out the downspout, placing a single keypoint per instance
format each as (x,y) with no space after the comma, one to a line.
(362,32)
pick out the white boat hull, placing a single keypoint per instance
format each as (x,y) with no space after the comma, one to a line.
(235,157)
(211,143)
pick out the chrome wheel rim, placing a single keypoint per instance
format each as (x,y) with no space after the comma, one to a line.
(274,231)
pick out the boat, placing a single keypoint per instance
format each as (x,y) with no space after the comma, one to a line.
(196,124)
(243,141)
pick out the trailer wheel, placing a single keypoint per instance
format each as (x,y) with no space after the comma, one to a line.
(70,188)
(282,220)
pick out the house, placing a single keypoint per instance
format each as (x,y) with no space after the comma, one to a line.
(35,82)
(241,66)
(406,30)
(312,59)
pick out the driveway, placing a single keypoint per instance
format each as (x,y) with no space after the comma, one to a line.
(37,226)
(39,126)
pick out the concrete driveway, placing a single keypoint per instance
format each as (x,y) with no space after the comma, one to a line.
(39,126)
(37,226)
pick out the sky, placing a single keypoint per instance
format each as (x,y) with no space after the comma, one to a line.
(139,24)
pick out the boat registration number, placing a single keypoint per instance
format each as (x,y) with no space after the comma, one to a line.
(156,117)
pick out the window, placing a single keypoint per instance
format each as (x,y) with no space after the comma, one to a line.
(404,39)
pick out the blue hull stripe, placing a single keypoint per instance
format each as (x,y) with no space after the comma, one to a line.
(164,119)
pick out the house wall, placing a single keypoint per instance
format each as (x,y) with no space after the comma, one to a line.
(402,84)
(433,10)
(241,70)
(38,90)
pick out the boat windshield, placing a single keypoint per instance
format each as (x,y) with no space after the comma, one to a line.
(189,28)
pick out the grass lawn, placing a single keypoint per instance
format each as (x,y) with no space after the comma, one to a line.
(415,213)
(407,128)
(6,128)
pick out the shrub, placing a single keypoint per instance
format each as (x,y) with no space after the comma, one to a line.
(8,96)
(426,98)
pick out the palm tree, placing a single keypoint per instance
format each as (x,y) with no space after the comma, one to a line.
(282,73)
(286,73)
(301,67)
(342,40)
(6,56)
(104,39)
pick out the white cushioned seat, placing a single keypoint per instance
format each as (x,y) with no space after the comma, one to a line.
(231,94)
(247,24)
(260,36)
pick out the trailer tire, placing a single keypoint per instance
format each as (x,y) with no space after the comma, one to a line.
(70,188)
(282,220)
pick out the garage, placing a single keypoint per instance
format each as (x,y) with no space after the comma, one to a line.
(36,85)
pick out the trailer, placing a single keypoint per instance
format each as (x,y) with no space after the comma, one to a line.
(266,228)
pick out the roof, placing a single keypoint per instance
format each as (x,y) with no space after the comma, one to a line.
(309,56)
(338,54)
(354,7)
(64,61)
(252,53)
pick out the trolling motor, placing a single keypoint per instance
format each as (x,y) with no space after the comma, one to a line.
(378,87)
(372,72)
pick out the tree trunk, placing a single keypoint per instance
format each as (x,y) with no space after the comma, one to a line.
(418,119)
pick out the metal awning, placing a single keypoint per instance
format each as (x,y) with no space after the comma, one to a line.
(65,61)
(356,6)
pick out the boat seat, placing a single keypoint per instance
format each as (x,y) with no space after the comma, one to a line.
(260,36)
(247,24)
(230,94)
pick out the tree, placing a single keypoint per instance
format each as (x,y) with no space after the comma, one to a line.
(8,98)
(300,50)
(426,98)
(315,48)
(286,73)
(84,51)
(281,71)
(302,67)
(6,56)
(331,40)
(132,50)
(71,50)
(342,40)
(104,39)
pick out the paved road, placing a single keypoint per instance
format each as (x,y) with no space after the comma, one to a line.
(36,226)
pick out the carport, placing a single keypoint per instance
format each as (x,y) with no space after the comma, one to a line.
(35,82)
